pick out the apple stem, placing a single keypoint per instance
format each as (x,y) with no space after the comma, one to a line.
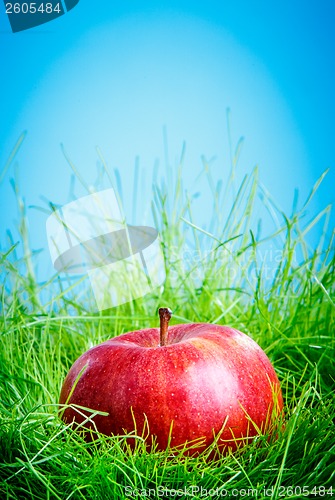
(165,315)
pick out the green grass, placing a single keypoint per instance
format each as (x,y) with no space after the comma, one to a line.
(274,287)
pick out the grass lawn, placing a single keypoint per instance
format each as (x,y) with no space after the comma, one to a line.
(276,288)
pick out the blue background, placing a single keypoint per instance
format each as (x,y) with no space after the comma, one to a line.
(131,76)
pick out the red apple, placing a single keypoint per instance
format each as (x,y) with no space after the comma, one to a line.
(185,382)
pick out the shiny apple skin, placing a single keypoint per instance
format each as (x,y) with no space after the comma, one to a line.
(207,376)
